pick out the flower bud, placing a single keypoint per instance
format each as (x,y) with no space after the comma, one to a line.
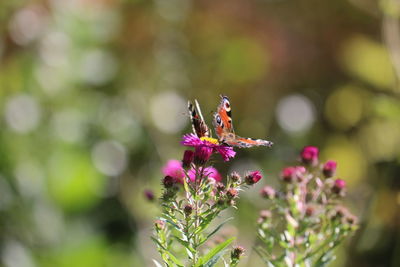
(268,192)
(220,187)
(309,155)
(235,177)
(329,168)
(202,154)
(291,174)
(340,212)
(351,219)
(188,157)
(232,193)
(169,194)
(188,209)
(168,181)
(149,195)
(230,202)
(221,202)
(237,253)
(159,224)
(253,177)
(310,211)
(339,186)
(265,214)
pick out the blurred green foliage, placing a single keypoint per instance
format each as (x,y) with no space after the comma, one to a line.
(92,103)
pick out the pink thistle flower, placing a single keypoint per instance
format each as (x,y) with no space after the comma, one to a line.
(253,177)
(188,156)
(329,168)
(309,155)
(289,174)
(268,192)
(339,186)
(174,169)
(210,172)
(202,154)
(193,141)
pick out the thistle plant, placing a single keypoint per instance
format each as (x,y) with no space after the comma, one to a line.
(194,195)
(304,221)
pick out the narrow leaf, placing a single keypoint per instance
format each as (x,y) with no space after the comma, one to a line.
(185,244)
(158,243)
(174,259)
(212,255)
(215,230)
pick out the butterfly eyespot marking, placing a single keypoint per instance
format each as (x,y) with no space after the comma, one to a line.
(218,119)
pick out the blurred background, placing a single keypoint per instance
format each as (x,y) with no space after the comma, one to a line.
(93,102)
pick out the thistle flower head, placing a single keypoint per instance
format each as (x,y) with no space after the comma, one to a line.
(193,141)
(329,168)
(174,169)
(339,186)
(232,193)
(188,156)
(253,177)
(235,177)
(291,174)
(309,155)
(202,154)
(268,192)
(168,181)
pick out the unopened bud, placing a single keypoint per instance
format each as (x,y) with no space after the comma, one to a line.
(168,181)
(267,192)
(159,224)
(253,177)
(188,209)
(235,177)
(329,168)
(339,186)
(237,253)
(232,193)
(220,187)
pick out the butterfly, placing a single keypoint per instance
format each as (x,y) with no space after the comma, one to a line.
(199,126)
(223,126)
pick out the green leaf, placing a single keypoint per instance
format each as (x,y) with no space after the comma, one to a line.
(185,185)
(186,244)
(204,224)
(157,242)
(174,259)
(215,230)
(214,254)
(173,224)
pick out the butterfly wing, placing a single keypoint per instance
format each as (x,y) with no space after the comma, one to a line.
(199,126)
(224,128)
(243,142)
(223,120)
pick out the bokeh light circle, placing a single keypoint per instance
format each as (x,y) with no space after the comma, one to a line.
(109,157)
(22,113)
(168,111)
(295,113)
